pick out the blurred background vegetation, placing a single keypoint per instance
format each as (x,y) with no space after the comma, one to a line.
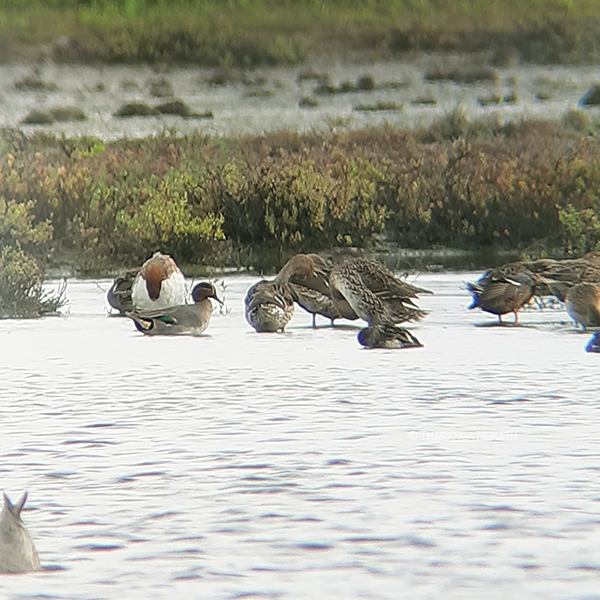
(252,201)
(283,32)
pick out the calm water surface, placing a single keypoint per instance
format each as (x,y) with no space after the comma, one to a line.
(299,465)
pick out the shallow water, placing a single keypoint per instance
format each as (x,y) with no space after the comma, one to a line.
(299,465)
(272,102)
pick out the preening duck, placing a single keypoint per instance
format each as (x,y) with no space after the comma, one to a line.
(158,284)
(374,293)
(269,305)
(313,293)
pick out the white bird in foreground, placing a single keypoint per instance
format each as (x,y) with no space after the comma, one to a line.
(17,552)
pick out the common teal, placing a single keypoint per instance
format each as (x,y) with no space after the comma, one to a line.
(119,294)
(159,284)
(374,293)
(500,294)
(583,304)
(184,319)
(17,552)
(385,335)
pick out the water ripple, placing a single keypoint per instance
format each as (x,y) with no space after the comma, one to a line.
(299,466)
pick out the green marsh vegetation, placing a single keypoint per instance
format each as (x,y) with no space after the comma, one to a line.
(25,244)
(284,32)
(253,201)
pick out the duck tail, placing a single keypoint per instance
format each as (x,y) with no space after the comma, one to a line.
(410,341)
(142,324)
(475,290)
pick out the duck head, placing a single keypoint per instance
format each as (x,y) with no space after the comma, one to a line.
(204,290)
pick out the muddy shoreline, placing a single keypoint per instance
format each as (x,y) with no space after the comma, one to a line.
(114,102)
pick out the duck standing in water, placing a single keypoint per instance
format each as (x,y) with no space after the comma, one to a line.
(17,552)
(313,293)
(269,305)
(159,284)
(184,319)
(376,295)
(583,304)
(500,293)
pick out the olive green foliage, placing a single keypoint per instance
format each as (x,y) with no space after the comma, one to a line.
(21,291)
(111,204)
(580,219)
(24,246)
(244,33)
(253,201)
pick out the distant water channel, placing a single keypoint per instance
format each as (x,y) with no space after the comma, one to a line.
(298,465)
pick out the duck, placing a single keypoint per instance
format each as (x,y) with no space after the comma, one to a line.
(386,335)
(159,284)
(500,294)
(594,344)
(269,305)
(374,293)
(583,304)
(557,277)
(119,294)
(17,551)
(184,319)
(312,292)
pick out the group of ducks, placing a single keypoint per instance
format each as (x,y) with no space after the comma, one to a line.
(155,295)
(352,288)
(576,282)
(155,298)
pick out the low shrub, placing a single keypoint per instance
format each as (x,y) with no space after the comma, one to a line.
(254,200)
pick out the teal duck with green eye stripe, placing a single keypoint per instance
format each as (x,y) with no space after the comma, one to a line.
(184,319)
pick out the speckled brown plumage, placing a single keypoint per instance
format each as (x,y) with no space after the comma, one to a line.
(374,293)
